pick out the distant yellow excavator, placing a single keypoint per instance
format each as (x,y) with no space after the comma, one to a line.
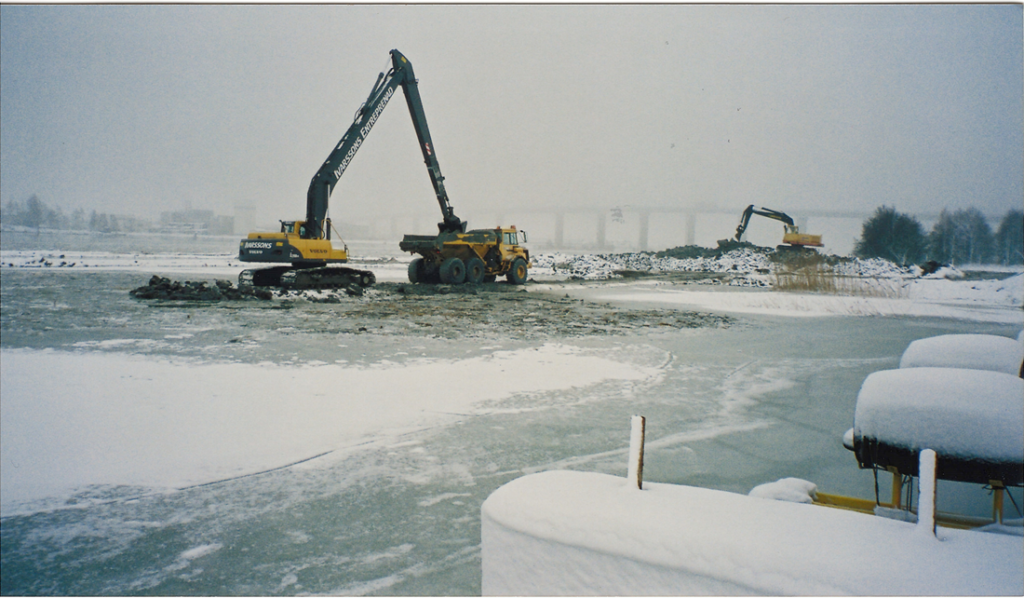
(792,238)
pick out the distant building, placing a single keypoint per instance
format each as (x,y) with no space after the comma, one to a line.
(203,222)
(245,220)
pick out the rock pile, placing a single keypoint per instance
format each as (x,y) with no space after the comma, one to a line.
(736,264)
(222,290)
(743,266)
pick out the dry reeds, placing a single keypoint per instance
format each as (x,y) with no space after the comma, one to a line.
(812,273)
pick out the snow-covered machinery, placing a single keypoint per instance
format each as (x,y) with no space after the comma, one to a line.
(961,396)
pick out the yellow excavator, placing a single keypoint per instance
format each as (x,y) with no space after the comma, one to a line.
(792,238)
(303,247)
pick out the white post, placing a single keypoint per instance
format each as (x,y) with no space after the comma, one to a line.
(635,475)
(926,498)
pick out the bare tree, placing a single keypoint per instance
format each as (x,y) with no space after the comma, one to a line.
(1010,238)
(963,237)
(35,213)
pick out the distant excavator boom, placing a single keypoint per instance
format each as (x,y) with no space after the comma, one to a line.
(792,236)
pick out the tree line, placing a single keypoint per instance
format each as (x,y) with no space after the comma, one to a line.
(959,237)
(35,213)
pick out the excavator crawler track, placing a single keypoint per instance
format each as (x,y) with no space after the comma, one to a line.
(286,277)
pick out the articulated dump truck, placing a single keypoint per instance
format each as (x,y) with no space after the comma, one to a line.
(455,257)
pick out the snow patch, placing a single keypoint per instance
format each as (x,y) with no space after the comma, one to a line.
(787,489)
(142,422)
(185,558)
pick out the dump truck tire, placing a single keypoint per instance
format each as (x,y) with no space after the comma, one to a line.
(453,271)
(475,270)
(518,272)
(416,270)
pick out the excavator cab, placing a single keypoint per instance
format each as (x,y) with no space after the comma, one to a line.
(298,228)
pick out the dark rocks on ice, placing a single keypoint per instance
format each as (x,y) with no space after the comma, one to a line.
(222,290)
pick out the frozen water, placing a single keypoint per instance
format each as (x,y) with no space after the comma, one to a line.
(278,448)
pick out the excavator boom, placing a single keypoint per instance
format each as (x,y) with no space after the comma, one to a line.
(792,237)
(324,181)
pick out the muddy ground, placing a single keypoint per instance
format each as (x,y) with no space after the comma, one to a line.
(482,310)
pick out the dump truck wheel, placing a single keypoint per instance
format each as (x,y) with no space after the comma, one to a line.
(416,270)
(453,271)
(517,274)
(475,270)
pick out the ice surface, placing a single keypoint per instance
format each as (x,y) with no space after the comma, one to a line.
(579,533)
(108,419)
(969,351)
(971,414)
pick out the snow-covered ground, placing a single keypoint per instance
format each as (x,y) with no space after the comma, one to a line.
(254,449)
(987,301)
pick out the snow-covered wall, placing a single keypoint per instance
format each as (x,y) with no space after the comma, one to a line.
(969,351)
(575,533)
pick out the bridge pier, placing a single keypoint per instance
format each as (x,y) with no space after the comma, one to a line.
(601,224)
(645,224)
(691,228)
(559,229)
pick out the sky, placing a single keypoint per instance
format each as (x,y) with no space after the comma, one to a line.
(147,108)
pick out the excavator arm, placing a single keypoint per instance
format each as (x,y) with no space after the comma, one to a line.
(791,238)
(325,179)
(450,222)
(767,213)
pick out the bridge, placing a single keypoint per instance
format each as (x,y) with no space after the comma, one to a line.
(643,227)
